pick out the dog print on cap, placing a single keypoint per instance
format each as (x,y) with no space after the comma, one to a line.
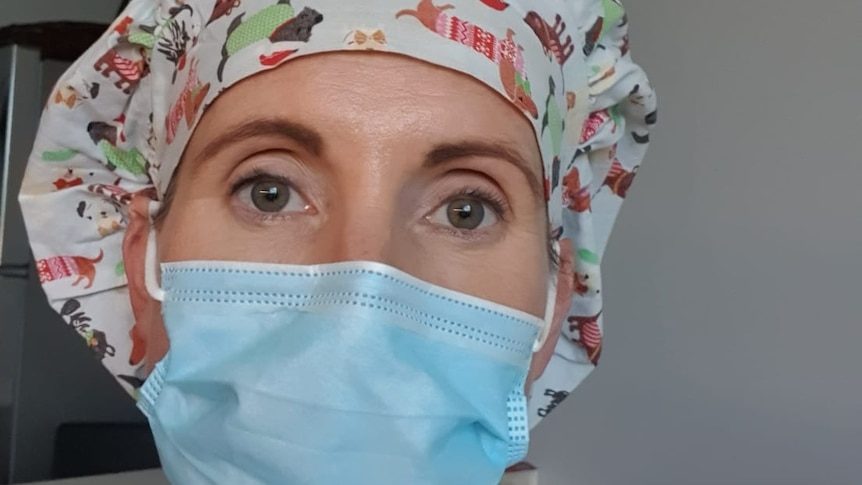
(503,51)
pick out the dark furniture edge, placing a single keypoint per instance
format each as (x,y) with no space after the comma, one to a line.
(59,41)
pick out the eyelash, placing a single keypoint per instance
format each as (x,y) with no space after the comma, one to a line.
(259,175)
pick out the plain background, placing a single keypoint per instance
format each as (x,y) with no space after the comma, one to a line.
(732,281)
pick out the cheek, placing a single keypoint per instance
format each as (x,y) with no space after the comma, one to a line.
(197,227)
(513,273)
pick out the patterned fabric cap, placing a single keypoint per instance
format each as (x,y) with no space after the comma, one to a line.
(121,116)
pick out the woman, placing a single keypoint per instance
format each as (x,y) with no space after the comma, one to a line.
(312,265)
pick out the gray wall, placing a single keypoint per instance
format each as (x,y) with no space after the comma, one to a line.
(734,303)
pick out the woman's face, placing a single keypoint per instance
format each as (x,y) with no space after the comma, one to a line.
(329,159)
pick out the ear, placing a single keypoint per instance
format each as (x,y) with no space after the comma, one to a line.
(144,308)
(562,304)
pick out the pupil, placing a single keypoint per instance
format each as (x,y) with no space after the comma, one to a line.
(270,193)
(466,213)
(270,196)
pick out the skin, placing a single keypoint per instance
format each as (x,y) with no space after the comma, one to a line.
(375,185)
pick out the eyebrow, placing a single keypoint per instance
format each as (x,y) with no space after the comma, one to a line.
(501,150)
(312,141)
(308,138)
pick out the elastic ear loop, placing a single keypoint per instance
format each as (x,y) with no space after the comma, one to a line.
(158,294)
(150,261)
(550,304)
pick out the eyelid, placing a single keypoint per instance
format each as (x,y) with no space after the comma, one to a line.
(258,174)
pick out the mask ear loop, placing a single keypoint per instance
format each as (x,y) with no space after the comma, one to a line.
(150,262)
(550,305)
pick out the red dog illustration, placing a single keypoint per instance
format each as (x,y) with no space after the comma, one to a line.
(59,267)
(514,82)
(594,123)
(130,71)
(619,180)
(575,197)
(223,8)
(589,335)
(550,36)
(504,52)
(498,5)
(70,179)
(188,105)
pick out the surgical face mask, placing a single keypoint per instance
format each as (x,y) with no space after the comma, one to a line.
(332,374)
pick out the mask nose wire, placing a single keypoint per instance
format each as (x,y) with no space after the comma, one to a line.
(150,260)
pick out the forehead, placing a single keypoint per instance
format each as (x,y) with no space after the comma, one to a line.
(387,95)
(344,103)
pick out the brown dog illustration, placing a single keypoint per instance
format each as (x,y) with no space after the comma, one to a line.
(505,52)
(575,197)
(71,97)
(426,12)
(59,267)
(619,180)
(513,83)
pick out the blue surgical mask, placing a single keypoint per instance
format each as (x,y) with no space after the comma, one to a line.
(334,374)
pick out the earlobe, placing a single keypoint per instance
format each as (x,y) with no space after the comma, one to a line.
(563,302)
(134,255)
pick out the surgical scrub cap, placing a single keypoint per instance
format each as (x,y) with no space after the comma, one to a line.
(121,116)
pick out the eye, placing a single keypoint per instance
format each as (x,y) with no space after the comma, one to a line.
(466,213)
(270,194)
